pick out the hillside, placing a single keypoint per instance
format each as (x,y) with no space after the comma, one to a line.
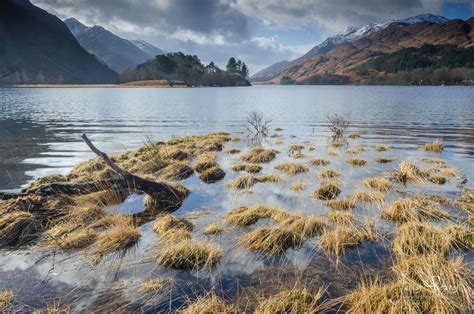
(269,72)
(118,53)
(341,62)
(185,69)
(37,47)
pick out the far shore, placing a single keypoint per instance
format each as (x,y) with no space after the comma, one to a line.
(137,84)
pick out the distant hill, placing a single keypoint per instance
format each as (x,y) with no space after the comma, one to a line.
(37,47)
(118,53)
(178,68)
(269,72)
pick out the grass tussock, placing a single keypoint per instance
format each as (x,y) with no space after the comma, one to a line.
(296,300)
(248,215)
(176,171)
(153,285)
(416,209)
(120,236)
(295,148)
(341,217)
(438,162)
(355,150)
(247,168)
(259,155)
(438,180)
(382,148)
(384,160)
(333,152)
(378,183)
(329,174)
(436,147)
(175,235)
(356,162)
(205,161)
(420,238)
(462,236)
(319,162)
(52,178)
(343,204)
(353,136)
(361,196)
(409,172)
(336,241)
(244,182)
(272,240)
(305,226)
(210,304)
(6,299)
(212,175)
(291,168)
(212,229)
(189,255)
(448,171)
(76,239)
(327,191)
(271,178)
(17,228)
(167,222)
(298,186)
(232,150)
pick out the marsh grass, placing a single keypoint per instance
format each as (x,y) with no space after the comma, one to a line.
(122,235)
(420,238)
(298,186)
(6,299)
(341,204)
(167,222)
(291,168)
(438,162)
(382,148)
(304,226)
(212,174)
(384,160)
(272,240)
(259,155)
(438,180)
(409,172)
(175,235)
(361,196)
(210,303)
(153,285)
(416,209)
(212,229)
(333,152)
(296,300)
(355,150)
(295,148)
(462,236)
(356,162)
(319,162)
(353,136)
(245,182)
(247,168)
(341,217)
(335,241)
(327,174)
(176,171)
(248,215)
(205,161)
(18,228)
(436,147)
(327,191)
(232,150)
(189,255)
(378,183)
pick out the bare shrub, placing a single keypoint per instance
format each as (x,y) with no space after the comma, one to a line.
(338,125)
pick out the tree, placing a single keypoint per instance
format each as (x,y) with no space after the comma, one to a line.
(244,71)
(231,65)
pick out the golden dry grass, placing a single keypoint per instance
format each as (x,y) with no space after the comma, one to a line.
(247,168)
(212,174)
(356,162)
(341,217)
(212,229)
(17,228)
(244,182)
(176,171)
(327,191)
(291,168)
(232,150)
(437,180)
(6,299)
(436,147)
(361,196)
(384,160)
(205,161)
(333,152)
(295,148)
(305,226)
(409,172)
(210,304)
(268,178)
(320,162)
(153,285)
(355,150)
(448,171)
(378,183)
(297,300)
(434,161)
(167,222)
(336,241)
(247,215)
(299,186)
(175,235)
(341,204)
(189,255)
(329,174)
(259,155)
(120,236)
(353,136)
(416,209)
(420,238)
(462,236)
(272,240)
(382,148)
(76,239)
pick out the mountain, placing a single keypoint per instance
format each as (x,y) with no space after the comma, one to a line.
(344,62)
(118,53)
(353,33)
(37,47)
(269,72)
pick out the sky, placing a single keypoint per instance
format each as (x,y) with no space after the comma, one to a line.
(259,32)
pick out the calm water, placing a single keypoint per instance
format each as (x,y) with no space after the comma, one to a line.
(40,128)
(40,133)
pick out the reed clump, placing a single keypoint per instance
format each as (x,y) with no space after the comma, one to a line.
(176,171)
(361,196)
(356,162)
(248,215)
(299,186)
(420,238)
(333,152)
(175,235)
(272,240)
(305,226)
(268,178)
(462,236)
(341,204)
(341,217)
(409,172)
(167,222)
(329,174)
(210,304)
(378,183)
(291,168)
(320,162)
(205,161)
(76,239)
(297,300)
(247,168)
(120,236)
(259,155)
(189,255)
(434,161)
(212,229)
(327,191)
(6,299)
(384,160)
(244,182)
(212,174)
(416,209)
(18,228)
(336,241)
(436,147)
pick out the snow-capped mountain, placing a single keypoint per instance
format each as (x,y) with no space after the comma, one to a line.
(117,52)
(353,33)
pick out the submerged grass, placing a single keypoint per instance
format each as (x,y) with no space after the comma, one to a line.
(153,285)
(212,229)
(247,215)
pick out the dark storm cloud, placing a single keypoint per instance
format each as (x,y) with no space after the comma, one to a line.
(203,16)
